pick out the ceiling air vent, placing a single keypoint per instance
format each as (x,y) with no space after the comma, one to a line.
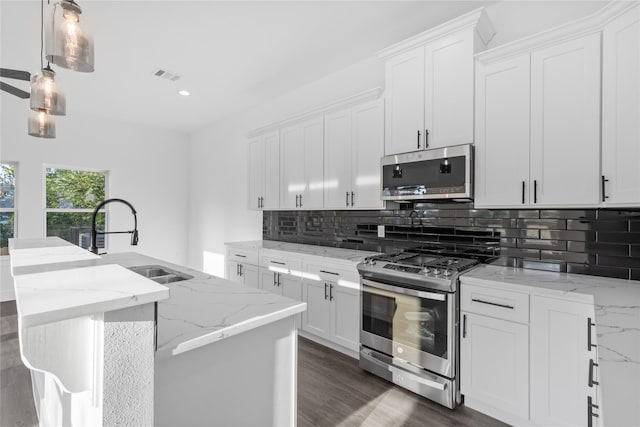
(166,75)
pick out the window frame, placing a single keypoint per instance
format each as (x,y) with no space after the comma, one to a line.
(14,209)
(47,210)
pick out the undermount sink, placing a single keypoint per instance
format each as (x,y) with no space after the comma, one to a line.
(160,274)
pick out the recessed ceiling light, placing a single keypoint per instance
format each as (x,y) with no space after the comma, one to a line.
(184,92)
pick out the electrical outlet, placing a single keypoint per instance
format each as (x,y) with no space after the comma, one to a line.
(381,231)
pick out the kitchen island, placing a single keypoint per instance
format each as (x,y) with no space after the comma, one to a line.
(218,343)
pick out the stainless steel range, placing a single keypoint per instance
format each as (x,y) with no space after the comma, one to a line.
(409,324)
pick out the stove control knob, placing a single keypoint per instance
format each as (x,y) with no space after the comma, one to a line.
(425,270)
(436,271)
(447,272)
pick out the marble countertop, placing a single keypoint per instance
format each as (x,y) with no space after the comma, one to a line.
(342,254)
(617,318)
(207,309)
(74,290)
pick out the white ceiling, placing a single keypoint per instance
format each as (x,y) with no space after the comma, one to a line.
(232,55)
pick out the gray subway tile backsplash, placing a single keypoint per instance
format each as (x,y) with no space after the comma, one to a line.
(600,242)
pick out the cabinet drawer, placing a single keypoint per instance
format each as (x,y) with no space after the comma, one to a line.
(498,303)
(243,256)
(281,261)
(331,273)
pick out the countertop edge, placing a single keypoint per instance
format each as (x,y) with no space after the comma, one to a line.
(232,330)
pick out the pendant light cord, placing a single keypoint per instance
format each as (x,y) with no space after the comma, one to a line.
(41,33)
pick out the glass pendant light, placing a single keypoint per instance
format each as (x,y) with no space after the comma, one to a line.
(68,44)
(45,95)
(41,124)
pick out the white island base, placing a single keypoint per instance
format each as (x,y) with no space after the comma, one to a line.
(244,380)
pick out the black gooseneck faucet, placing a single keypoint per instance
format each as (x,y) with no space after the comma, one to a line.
(94,232)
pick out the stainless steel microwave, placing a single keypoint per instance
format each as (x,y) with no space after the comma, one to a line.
(439,173)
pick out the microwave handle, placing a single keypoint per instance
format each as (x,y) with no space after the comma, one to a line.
(412,292)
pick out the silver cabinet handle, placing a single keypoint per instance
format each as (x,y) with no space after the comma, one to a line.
(347,194)
(301,200)
(589,325)
(241,256)
(274,278)
(426,138)
(330,292)
(510,307)
(278,279)
(277,262)
(352,198)
(237,269)
(418,139)
(240,269)
(297,200)
(325,291)
(523,192)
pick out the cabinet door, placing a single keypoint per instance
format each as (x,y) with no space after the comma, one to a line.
(250,275)
(621,110)
(494,363)
(313,195)
(317,318)
(345,316)
(233,271)
(502,133)
(448,99)
(291,287)
(337,160)
(404,110)
(367,144)
(292,158)
(256,173)
(269,280)
(271,194)
(560,361)
(565,123)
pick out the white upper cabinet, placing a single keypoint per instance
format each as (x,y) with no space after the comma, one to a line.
(502,133)
(404,97)
(538,126)
(264,172)
(353,148)
(621,111)
(565,123)
(302,148)
(429,85)
(448,100)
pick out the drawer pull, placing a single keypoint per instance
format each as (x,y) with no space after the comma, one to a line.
(464,326)
(591,381)
(241,256)
(278,262)
(329,272)
(510,307)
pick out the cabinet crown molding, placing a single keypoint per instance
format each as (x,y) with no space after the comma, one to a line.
(573,29)
(360,97)
(477,19)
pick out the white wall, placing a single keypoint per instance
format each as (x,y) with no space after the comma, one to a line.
(219,156)
(147,167)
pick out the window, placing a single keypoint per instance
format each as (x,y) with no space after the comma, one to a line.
(71,197)
(7,205)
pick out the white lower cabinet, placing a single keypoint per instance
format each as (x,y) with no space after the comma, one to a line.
(563,342)
(528,359)
(495,363)
(317,318)
(245,274)
(282,283)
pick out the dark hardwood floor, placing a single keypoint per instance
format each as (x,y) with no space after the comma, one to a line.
(332,391)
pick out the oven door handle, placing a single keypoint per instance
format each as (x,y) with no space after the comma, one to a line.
(406,291)
(416,378)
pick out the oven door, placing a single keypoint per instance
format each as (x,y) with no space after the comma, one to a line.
(416,326)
